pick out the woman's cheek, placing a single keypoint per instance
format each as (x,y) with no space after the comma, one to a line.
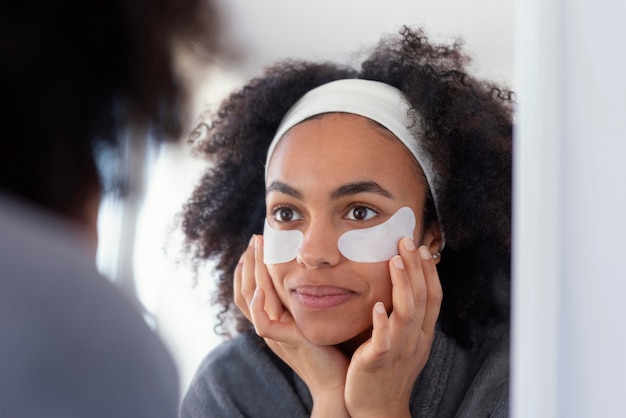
(277,273)
(379,281)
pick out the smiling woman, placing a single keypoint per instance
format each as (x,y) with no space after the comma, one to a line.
(332,193)
(348,151)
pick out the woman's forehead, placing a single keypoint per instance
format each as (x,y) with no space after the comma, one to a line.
(339,147)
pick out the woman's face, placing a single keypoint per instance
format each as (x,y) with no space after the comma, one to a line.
(327,176)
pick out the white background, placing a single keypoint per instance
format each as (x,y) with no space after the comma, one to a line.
(569,210)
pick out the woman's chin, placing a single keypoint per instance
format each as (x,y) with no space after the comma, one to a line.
(348,340)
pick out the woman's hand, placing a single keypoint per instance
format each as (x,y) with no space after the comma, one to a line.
(322,368)
(383,370)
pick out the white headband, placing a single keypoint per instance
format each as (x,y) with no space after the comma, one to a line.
(374,100)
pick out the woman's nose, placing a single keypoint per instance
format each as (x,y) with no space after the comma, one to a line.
(319,246)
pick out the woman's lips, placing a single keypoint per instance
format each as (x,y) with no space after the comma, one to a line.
(321,297)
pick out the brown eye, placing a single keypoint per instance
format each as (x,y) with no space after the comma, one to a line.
(361,213)
(286,215)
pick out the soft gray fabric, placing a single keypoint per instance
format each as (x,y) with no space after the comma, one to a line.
(70,344)
(242,379)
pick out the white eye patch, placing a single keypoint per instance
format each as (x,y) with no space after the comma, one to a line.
(380,242)
(367,245)
(280,246)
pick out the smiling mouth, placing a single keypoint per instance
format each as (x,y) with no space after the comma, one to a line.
(321,297)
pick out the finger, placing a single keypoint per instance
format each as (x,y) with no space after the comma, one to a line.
(401,292)
(260,318)
(380,344)
(402,323)
(273,305)
(248,282)
(264,325)
(434,290)
(240,301)
(413,265)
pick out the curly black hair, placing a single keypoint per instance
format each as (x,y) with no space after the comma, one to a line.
(74,73)
(468,129)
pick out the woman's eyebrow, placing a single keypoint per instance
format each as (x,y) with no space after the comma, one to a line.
(360,187)
(279,186)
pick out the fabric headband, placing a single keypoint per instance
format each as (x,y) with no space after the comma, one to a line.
(374,100)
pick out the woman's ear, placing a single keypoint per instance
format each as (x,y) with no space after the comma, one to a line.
(433,239)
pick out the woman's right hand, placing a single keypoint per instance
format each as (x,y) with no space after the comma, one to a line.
(322,368)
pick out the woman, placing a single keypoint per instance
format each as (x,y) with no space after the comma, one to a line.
(380,284)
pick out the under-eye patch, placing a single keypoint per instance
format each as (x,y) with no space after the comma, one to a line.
(380,242)
(280,246)
(367,245)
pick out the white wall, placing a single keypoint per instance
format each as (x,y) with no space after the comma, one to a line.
(569,210)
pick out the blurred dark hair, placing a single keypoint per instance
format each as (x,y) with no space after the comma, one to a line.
(74,73)
(468,130)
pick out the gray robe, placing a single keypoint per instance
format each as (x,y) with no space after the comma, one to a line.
(241,378)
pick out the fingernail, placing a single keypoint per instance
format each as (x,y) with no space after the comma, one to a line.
(252,241)
(397,261)
(408,244)
(380,308)
(425,253)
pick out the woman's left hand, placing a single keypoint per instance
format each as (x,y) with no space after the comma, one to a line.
(383,370)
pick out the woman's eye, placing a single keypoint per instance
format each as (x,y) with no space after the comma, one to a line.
(361,213)
(286,215)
